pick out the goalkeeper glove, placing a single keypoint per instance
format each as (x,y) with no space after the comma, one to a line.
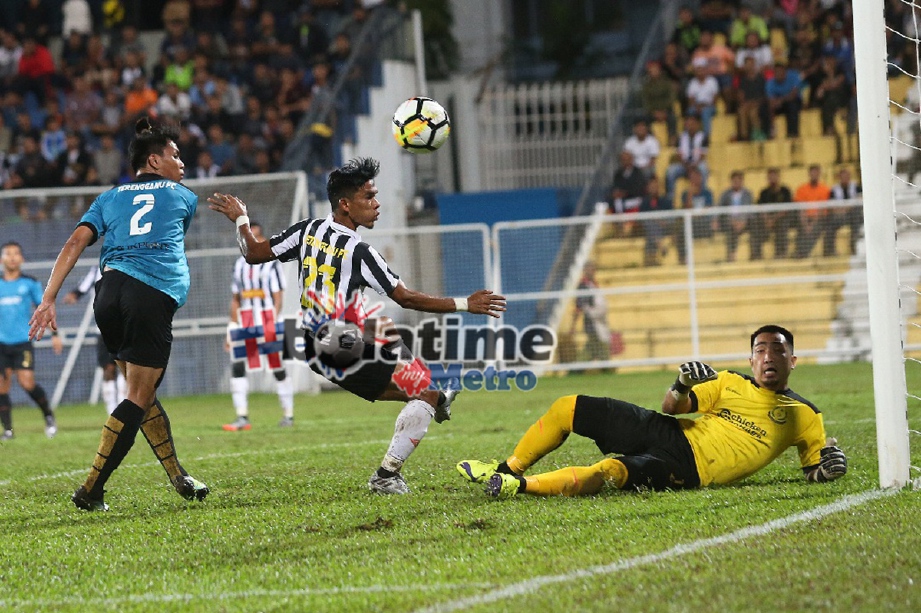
(832,463)
(692,373)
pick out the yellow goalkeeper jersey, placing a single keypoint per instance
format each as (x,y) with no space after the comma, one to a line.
(742,427)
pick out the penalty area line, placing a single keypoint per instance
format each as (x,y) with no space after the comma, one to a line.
(529,586)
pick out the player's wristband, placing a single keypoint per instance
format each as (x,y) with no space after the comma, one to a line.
(460,304)
(680,387)
(242,220)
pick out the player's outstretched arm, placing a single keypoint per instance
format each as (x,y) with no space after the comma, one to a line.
(45,314)
(677,398)
(832,463)
(480,302)
(254,250)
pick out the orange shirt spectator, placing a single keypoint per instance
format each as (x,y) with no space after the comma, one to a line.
(813,191)
(719,58)
(140,98)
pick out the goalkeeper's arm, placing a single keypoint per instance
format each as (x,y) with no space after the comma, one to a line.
(677,398)
(832,464)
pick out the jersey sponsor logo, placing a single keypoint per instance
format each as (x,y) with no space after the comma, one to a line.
(778,415)
(732,390)
(252,293)
(140,187)
(10,300)
(743,424)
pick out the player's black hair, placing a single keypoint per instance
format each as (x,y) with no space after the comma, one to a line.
(11,244)
(773,329)
(344,181)
(149,139)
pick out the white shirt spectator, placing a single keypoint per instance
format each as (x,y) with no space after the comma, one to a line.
(763,55)
(9,58)
(703,91)
(692,148)
(179,107)
(77,17)
(845,192)
(644,151)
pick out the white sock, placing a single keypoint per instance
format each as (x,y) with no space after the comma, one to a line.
(286,396)
(411,425)
(110,395)
(121,386)
(239,389)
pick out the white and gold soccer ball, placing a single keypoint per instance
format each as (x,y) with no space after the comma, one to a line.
(421,125)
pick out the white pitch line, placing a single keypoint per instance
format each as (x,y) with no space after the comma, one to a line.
(214,456)
(535,583)
(206,597)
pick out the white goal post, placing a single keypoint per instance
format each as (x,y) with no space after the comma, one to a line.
(889,381)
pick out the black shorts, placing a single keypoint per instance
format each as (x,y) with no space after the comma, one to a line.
(19,356)
(103,357)
(372,378)
(136,320)
(653,446)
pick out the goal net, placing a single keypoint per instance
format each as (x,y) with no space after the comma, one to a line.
(886,44)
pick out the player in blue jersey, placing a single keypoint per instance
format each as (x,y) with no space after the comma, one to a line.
(145,280)
(19,294)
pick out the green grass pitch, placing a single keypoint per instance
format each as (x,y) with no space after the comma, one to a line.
(290,525)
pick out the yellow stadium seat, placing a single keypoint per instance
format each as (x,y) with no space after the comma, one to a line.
(776,152)
(723,128)
(778,43)
(810,122)
(660,131)
(780,126)
(898,89)
(821,150)
(794,176)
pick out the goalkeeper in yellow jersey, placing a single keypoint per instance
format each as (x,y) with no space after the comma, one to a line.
(744,423)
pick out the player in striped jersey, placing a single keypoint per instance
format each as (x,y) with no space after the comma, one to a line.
(335,265)
(744,424)
(113,381)
(256,287)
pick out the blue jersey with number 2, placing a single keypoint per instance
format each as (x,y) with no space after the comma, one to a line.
(144,225)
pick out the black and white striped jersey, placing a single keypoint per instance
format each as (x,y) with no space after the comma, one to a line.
(335,265)
(255,284)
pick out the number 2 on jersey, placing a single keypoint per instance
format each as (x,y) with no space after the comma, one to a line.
(147,202)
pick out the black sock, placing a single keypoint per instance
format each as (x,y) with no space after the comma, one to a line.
(521,484)
(383,473)
(441,398)
(118,434)
(6,412)
(504,469)
(37,394)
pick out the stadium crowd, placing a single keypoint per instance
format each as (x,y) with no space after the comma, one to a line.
(756,60)
(237,74)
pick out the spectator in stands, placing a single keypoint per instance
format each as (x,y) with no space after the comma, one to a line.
(53,139)
(744,24)
(832,93)
(659,95)
(594,312)
(286,57)
(716,15)
(656,230)
(754,48)
(687,32)
(644,146)
(845,189)
(109,161)
(221,151)
(111,114)
(762,225)
(252,120)
(628,189)
(31,170)
(784,97)
(812,220)
(75,169)
(35,21)
(203,85)
(675,70)
(82,107)
(231,100)
(267,39)
(735,222)
(839,47)
(696,196)
(10,54)
(140,100)
(210,16)
(310,38)
(100,69)
(244,159)
(178,31)
(174,104)
(262,84)
(752,102)
(702,92)
(718,59)
(73,55)
(191,140)
(180,70)
(36,67)
(211,45)
(691,153)
(127,42)
(263,161)
(205,168)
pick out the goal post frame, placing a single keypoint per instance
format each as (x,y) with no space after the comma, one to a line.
(889,382)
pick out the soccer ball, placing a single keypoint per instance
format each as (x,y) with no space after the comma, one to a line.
(421,125)
(339,344)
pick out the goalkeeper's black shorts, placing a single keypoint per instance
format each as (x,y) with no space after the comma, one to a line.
(655,451)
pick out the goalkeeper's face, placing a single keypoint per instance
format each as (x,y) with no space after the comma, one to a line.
(772,361)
